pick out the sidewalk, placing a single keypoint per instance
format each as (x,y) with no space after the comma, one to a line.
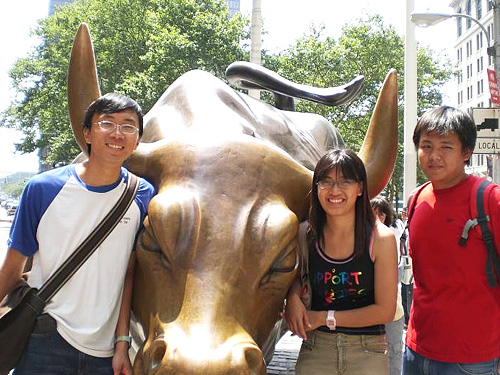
(285,356)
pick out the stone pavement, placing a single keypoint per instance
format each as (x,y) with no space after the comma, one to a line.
(285,356)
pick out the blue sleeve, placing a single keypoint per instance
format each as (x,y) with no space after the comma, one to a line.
(36,198)
(144,194)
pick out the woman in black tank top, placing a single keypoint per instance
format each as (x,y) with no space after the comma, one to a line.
(351,264)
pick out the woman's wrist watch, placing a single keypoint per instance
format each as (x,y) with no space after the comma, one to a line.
(331,323)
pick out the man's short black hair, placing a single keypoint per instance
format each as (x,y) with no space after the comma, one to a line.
(112,103)
(445,120)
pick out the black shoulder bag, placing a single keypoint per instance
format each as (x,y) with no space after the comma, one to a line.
(27,303)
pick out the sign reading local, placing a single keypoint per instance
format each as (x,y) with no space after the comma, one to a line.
(488,131)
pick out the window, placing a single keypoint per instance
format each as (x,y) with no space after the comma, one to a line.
(480,87)
(469,52)
(479,41)
(460,78)
(488,5)
(459,23)
(479,9)
(460,97)
(469,48)
(469,92)
(468,11)
(480,64)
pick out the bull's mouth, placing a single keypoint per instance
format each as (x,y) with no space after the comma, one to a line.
(161,357)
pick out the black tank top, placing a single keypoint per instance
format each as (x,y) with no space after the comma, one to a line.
(344,284)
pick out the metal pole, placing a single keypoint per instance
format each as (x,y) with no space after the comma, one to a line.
(256,40)
(496,65)
(410,109)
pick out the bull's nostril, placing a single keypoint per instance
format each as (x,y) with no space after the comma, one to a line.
(158,349)
(255,361)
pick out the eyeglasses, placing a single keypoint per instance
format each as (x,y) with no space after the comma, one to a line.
(342,184)
(109,126)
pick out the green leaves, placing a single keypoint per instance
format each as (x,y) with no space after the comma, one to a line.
(141,47)
(369,47)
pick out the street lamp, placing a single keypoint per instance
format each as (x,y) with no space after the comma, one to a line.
(426,19)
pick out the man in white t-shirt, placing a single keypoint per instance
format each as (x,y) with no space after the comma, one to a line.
(85,327)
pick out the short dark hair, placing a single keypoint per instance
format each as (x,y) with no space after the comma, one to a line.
(382,204)
(352,168)
(112,103)
(444,120)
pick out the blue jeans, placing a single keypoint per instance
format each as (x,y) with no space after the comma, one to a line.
(50,354)
(415,364)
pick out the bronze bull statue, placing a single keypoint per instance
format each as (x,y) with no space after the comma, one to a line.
(219,249)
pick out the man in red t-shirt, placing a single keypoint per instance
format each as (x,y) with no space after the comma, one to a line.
(454,325)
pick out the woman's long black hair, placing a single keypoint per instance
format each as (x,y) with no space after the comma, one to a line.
(352,167)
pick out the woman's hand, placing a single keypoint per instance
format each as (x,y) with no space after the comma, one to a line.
(297,316)
(316,319)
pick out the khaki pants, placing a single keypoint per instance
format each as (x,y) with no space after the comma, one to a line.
(339,354)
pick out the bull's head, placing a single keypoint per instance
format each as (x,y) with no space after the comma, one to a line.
(219,249)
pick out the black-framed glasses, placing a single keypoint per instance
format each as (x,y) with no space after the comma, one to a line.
(109,126)
(343,183)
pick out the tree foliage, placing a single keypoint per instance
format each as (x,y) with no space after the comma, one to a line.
(141,47)
(369,47)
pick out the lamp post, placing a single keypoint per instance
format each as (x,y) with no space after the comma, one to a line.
(410,108)
(256,41)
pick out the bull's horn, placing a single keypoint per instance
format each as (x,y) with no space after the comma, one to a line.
(83,86)
(380,146)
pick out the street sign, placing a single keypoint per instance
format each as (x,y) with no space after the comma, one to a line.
(493,83)
(488,132)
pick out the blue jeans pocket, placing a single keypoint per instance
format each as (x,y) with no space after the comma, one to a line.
(480,368)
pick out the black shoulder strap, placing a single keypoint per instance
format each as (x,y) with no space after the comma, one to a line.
(412,202)
(492,262)
(91,243)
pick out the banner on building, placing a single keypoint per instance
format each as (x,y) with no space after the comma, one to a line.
(492,81)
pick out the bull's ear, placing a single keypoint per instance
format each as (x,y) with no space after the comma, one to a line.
(380,146)
(83,86)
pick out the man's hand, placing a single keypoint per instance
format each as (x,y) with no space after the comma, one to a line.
(297,317)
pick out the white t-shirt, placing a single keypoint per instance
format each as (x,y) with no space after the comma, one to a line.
(56,213)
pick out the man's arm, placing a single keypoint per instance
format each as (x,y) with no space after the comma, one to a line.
(11,271)
(121,360)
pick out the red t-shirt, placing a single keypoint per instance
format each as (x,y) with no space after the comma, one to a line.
(455,316)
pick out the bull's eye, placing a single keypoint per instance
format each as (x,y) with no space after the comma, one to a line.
(286,262)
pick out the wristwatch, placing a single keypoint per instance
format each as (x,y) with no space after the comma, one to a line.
(331,323)
(127,339)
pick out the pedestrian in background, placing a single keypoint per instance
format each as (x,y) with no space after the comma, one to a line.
(394,330)
(352,263)
(454,323)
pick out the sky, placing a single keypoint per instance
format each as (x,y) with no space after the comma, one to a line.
(283,22)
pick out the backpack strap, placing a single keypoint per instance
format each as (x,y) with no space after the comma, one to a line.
(412,202)
(481,216)
(477,210)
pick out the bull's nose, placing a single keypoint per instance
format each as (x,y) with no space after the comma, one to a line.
(159,358)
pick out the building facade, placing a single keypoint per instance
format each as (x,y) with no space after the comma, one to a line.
(472,62)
